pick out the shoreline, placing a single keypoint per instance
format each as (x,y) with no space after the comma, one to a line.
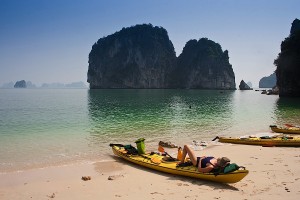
(273,174)
(151,145)
(54,165)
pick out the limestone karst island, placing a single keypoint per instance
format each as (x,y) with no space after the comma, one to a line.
(143,56)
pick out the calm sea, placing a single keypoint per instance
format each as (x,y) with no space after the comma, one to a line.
(44,127)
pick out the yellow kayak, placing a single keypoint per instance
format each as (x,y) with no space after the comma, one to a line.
(156,162)
(264,141)
(288,130)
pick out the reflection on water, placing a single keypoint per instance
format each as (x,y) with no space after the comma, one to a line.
(181,116)
(156,114)
(199,113)
(288,111)
(46,127)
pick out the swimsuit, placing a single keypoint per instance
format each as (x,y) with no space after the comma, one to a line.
(204,161)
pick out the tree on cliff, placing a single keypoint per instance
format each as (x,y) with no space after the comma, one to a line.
(288,63)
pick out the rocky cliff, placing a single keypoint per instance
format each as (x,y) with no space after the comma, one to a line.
(244,86)
(143,56)
(268,81)
(203,65)
(288,63)
(137,57)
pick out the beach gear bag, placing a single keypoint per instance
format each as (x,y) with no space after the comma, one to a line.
(140,144)
(130,149)
(230,168)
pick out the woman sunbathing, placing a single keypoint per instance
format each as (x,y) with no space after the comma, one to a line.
(204,164)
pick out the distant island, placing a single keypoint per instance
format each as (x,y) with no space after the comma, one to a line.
(244,86)
(30,85)
(249,84)
(61,85)
(268,82)
(143,56)
(20,84)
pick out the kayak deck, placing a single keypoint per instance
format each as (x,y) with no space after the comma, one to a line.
(280,141)
(150,161)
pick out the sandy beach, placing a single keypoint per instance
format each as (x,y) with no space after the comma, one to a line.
(274,174)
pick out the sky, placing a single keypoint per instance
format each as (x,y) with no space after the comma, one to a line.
(48,41)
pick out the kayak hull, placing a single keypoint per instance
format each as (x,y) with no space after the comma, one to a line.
(170,167)
(279,142)
(291,130)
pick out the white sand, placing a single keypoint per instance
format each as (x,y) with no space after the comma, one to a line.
(274,174)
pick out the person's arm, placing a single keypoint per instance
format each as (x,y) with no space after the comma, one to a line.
(205,169)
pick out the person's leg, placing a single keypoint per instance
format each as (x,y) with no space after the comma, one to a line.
(188,151)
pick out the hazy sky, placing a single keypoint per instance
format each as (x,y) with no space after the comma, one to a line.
(46,41)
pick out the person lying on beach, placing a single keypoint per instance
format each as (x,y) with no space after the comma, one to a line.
(204,164)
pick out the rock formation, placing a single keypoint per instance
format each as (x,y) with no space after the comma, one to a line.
(137,57)
(249,84)
(268,82)
(288,63)
(203,65)
(143,56)
(20,84)
(244,86)
(8,85)
(29,84)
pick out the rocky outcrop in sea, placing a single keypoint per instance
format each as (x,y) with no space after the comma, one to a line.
(268,81)
(137,57)
(143,56)
(20,84)
(244,86)
(203,65)
(288,63)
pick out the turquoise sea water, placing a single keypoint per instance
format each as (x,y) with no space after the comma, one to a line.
(44,127)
